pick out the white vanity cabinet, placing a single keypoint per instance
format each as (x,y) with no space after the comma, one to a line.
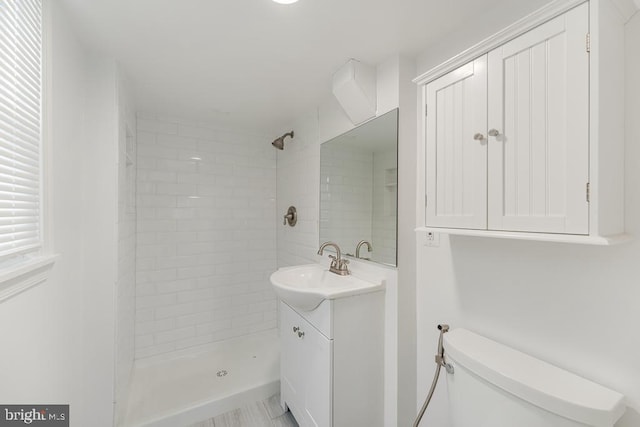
(305,375)
(332,363)
(523,134)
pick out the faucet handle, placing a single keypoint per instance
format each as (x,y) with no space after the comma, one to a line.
(342,267)
(334,261)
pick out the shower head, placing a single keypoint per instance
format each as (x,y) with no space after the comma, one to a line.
(279,142)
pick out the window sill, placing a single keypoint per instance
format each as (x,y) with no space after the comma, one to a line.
(20,277)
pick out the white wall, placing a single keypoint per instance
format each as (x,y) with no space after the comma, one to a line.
(100,216)
(573,306)
(481,27)
(298,183)
(58,338)
(206,242)
(406,294)
(40,328)
(126,284)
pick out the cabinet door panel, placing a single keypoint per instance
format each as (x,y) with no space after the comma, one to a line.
(318,386)
(538,164)
(306,367)
(291,369)
(456,163)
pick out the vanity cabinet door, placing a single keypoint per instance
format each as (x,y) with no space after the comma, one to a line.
(456,148)
(306,370)
(291,364)
(317,354)
(539,104)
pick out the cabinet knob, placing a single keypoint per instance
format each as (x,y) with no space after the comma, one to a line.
(494,132)
(478,137)
(300,334)
(295,329)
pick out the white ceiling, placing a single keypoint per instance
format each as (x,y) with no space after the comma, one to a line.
(256,63)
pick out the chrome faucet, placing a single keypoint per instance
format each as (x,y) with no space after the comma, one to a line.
(363,242)
(338,264)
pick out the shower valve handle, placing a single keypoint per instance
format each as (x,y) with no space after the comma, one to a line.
(291,217)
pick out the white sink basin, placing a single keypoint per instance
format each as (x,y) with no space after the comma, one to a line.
(306,286)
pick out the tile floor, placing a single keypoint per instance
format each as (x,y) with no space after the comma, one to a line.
(265,413)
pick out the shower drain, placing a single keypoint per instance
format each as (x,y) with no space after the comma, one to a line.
(222,373)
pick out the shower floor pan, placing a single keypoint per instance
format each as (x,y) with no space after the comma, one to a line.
(190,388)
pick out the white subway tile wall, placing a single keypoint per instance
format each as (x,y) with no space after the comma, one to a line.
(206,242)
(299,185)
(346,195)
(358,193)
(385,201)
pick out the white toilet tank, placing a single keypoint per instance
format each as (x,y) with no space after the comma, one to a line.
(496,386)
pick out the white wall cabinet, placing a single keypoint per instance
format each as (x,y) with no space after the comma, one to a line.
(332,362)
(523,134)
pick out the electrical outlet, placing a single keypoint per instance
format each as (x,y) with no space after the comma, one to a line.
(432,239)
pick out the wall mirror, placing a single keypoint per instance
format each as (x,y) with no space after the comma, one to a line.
(359,189)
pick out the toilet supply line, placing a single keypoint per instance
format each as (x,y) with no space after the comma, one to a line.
(440,362)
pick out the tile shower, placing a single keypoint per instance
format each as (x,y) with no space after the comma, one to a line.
(205,247)
(206,242)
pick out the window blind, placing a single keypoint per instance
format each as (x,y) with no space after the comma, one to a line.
(20,125)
